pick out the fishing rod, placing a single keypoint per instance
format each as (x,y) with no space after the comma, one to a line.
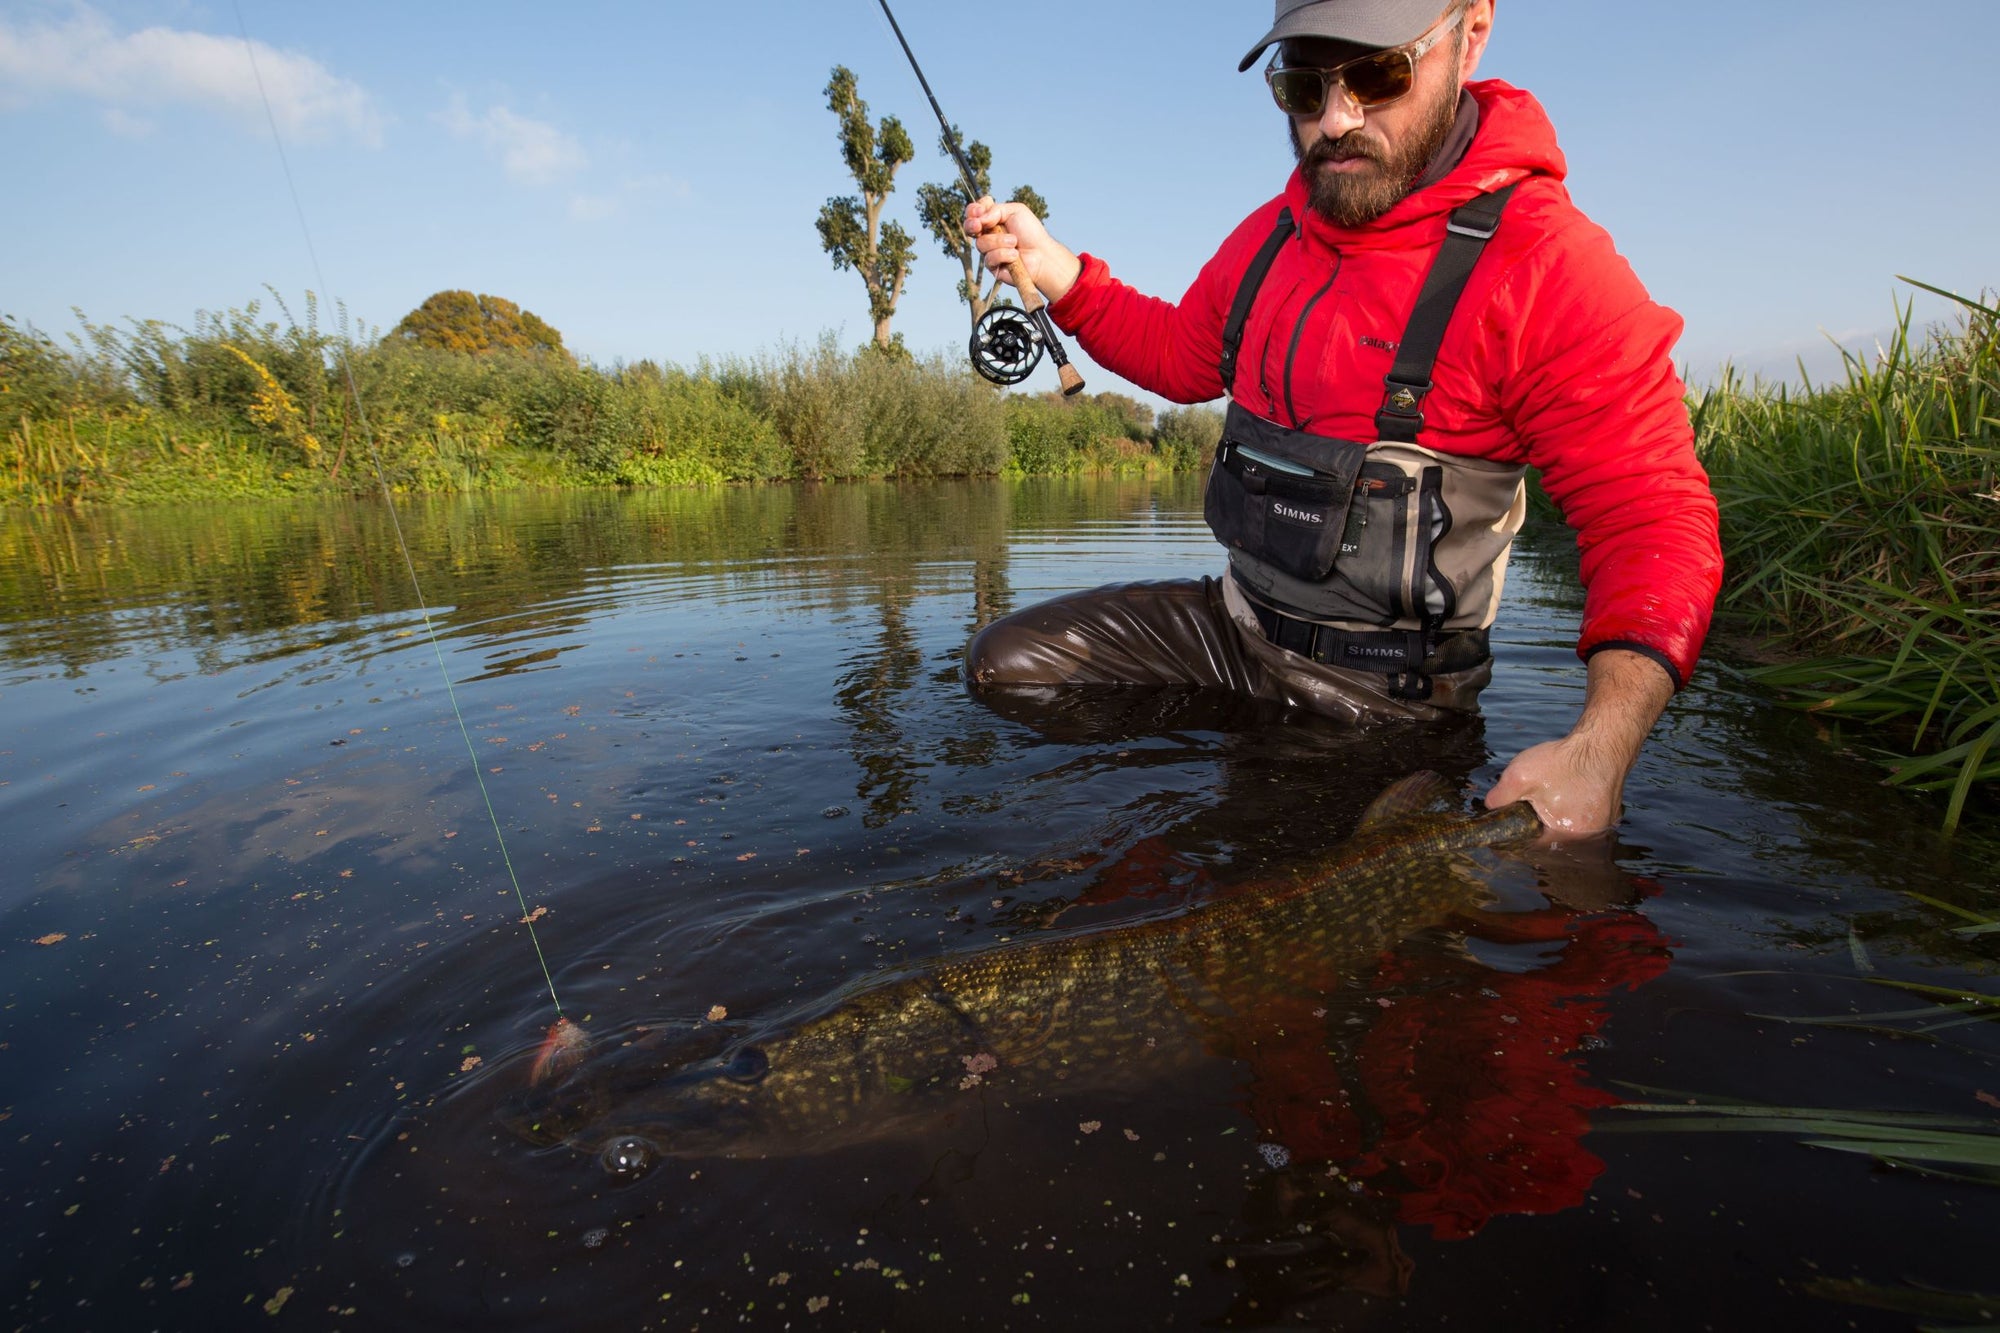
(1008,341)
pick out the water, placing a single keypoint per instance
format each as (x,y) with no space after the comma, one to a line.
(266,994)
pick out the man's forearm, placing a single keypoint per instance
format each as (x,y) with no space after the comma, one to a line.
(1576,783)
(1624,695)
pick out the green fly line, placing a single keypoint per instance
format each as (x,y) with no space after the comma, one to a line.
(395,523)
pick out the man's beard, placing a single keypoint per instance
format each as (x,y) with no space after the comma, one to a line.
(1349,199)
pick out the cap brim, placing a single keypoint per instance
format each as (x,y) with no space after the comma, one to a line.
(1364,25)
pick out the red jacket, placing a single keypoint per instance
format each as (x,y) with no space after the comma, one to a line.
(1555,357)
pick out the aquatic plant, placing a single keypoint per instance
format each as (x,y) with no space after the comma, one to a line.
(1861,525)
(240,405)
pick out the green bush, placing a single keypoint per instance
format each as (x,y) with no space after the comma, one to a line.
(928,418)
(238,403)
(1049,434)
(1187,437)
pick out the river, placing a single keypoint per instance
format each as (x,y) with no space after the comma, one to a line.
(267,991)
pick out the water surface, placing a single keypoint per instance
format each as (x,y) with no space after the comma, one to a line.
(266,993)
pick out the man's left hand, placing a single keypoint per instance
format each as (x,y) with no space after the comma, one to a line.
(1576,784)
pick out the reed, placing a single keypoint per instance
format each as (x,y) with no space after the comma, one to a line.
(1861,526)
(255,406)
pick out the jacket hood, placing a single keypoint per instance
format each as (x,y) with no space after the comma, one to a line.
(1515,141)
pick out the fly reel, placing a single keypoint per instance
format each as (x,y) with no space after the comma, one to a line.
(1006,345)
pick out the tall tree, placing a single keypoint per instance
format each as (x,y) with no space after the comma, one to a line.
(851,230)
(462,322)
(942,208)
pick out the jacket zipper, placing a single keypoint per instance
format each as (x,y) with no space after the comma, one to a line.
(1298,332)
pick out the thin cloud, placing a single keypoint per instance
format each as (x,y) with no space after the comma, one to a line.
(84,55)
(532,152)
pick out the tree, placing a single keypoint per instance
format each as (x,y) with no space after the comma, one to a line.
(851,230)
(942,208)
(462,322)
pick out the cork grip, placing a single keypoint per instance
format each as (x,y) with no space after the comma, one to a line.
(1031,301)
(1031,297)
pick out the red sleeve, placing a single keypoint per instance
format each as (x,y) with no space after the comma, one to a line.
(1592,392)
(1175,350)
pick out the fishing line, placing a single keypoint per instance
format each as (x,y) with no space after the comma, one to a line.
(395,523)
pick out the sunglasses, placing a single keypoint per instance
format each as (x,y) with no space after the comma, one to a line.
(1371,80)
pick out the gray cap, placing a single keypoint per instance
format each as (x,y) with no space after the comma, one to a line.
(1363,22)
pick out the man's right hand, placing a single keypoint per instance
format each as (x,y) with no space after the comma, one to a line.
(1011,233)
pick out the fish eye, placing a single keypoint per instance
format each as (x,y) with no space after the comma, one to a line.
(628,1157)
(749,1065)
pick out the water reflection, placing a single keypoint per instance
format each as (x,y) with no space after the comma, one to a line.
(284,994)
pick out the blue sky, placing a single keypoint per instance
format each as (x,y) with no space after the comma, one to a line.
(646,176)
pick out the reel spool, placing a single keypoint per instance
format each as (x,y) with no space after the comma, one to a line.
(1006,345)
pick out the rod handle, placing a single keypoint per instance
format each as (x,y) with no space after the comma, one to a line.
(1031,296)
(1031,301)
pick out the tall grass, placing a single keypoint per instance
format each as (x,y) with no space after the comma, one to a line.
(241,405)
(1861,525)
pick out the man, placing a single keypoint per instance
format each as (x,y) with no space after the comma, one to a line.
(1368,485)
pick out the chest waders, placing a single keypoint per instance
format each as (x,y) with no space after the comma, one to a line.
(1384,557)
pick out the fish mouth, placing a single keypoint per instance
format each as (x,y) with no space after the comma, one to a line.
(639,1097)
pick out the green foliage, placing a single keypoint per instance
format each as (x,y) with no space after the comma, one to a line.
(1105,432)
(36,379)
(687,430)
(459,321)
(239,406)
(1861,523)
(1188,436)
(851,230)
(942,210)
(928,418)
(820,419)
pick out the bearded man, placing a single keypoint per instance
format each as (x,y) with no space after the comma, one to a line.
(1421,315)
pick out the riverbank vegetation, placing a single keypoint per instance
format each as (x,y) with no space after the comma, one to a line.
(1861,524)
(244,406)
(1860,518)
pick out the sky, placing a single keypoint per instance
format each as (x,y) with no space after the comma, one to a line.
(646,177)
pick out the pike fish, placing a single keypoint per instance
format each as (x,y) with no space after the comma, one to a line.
(1061,1014)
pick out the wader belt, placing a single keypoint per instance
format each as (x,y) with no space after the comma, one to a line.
(1407,658)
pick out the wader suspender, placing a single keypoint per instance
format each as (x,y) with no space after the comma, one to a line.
(1470,227)
(1246,296)
(1408,383)
(1466,233)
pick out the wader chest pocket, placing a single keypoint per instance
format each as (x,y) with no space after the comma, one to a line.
(1281,496)
(1387,569)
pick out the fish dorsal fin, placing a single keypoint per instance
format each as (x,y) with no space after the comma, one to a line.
(1422,792)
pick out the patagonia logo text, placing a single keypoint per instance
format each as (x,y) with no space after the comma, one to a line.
(1292,513)
(1383,343)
